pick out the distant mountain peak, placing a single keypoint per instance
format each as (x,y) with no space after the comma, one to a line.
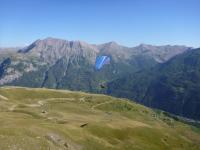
(51,49)
(110,45)
(142,45)
(113,44)
(55,42)
(146,46)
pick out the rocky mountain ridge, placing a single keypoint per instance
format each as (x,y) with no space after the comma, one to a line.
(48,52)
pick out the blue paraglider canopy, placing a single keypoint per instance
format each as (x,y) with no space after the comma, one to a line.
(101,61)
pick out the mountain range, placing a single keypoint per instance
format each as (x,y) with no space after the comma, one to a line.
(165,77)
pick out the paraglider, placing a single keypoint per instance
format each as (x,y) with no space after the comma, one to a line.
(101,61)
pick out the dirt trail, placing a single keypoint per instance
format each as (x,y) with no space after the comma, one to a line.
(94,106)
(42,102)
(55,98)
(3,97)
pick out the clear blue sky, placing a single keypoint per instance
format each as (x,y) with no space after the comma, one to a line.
(128,22)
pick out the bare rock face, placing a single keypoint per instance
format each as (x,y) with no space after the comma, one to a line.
(11,70)
(117,52)
(8,78)
(159,53)
(50,50)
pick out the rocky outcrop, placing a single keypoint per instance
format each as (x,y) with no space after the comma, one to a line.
(50,50)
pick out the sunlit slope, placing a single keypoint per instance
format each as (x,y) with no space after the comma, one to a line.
(56,119)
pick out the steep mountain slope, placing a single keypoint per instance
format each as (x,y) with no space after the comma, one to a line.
(160,53)
(56,63)
(116,51)
(50,50)
(173,86)
(57,119)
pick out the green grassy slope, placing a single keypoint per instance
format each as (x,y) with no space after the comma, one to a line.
(56,119)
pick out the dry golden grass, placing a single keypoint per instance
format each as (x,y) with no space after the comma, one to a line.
(34,119)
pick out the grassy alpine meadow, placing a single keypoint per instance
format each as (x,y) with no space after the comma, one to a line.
(46,119)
